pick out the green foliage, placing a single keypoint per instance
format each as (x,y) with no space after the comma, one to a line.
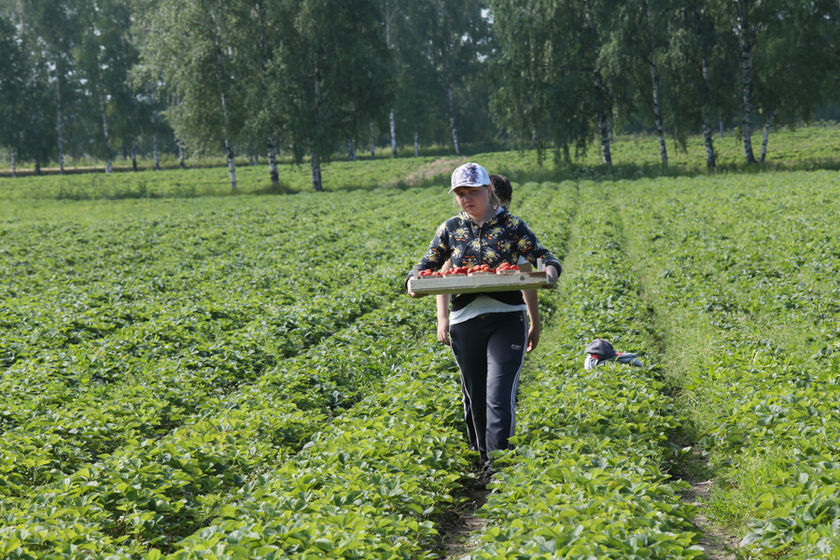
(243,377)
(584,480)
(742,274)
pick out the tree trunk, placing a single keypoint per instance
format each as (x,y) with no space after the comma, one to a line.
(272,164)
(603,127)
(389,14)
(133,155)
(454,128)
(316,172)
(720,125)
(657,115)
(155,152)
(231,164)
(746,70)
(37,167)
(704,114)
(709,144)
(393,123)
(416,144)
(109,164)
(181,156)
(654,79)
(14,163)
(351,150)
(372,141)
(59,121)
(767,124)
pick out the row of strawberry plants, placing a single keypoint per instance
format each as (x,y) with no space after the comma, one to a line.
(139,508)
(743,278)
(121,392)
(174,483)
(585,479)
(151,492)
(369,485)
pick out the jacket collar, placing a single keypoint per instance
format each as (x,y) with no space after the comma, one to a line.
(501,214)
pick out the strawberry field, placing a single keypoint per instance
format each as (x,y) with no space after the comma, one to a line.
(230,377)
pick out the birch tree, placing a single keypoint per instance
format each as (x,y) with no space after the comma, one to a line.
(457,33)
(793,63)
(329,75)
(192,50)
(12,67)
(546,79)
(104,58)
(31,130)
(700,52)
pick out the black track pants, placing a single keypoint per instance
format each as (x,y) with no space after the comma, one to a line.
(489,350)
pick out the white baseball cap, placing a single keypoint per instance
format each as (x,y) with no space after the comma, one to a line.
(469,175)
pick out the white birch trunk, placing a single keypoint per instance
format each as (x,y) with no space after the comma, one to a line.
(600,96)
(708,141)
(393,122)
(351,150)
(416,144)
(657,116)
(231,164)
(746,70)
(181,156)
(454,128)
(59,121)
(109,163)
(767,124)
(316,172)
(603,126)
(272,163)
(654,79)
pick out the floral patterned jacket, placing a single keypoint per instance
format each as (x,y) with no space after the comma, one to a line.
(502,239)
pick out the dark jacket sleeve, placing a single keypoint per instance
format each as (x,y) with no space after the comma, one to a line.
(530,247)
(439,250)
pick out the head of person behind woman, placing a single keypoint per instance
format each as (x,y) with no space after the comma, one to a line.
(473,191)
(503,189)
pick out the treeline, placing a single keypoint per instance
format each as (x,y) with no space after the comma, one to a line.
(315,78)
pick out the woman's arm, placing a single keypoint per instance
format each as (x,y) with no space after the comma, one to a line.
(533,305)
(442,303)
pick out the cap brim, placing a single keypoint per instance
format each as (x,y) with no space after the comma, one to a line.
(467,186)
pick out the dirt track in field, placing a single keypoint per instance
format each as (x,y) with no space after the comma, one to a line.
(463,525)
(717,544)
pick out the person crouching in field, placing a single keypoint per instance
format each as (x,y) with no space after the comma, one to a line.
(488,332)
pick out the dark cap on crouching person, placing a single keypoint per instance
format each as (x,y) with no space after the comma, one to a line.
(600,351)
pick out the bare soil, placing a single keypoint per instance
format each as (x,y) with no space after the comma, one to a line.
(718,544)
(459,526)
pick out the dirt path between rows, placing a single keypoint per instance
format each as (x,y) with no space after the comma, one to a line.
(463,525)
(717,544)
